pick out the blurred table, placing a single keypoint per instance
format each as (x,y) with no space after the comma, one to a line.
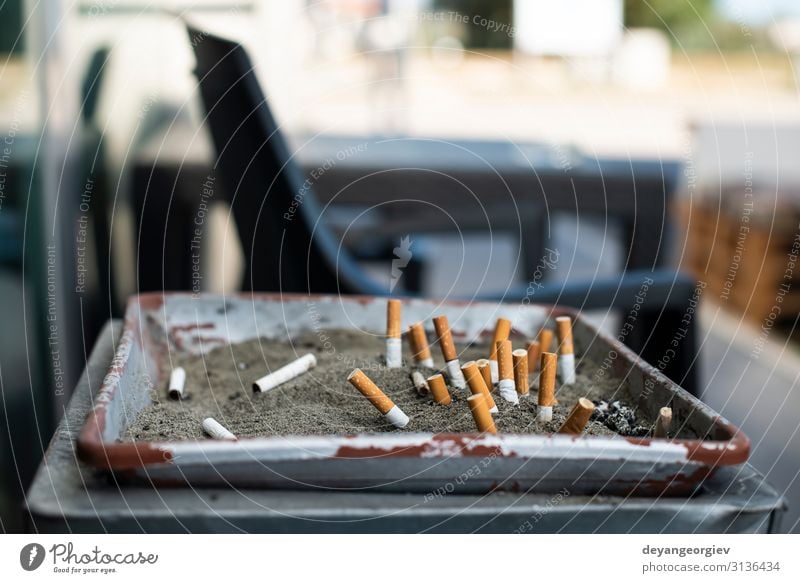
(68,496)
(416,185)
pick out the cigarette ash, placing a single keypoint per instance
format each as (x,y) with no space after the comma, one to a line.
(619,418)
(218,384)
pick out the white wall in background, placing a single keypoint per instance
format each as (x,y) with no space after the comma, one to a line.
(642,59)
(578,28)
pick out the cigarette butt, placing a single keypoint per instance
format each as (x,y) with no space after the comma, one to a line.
(547,386)
(534,354)
(394,348)
(564,331)
(456,376)
(420,349)
(502,329)
(216,430)
(501,332)
(394,353)
(486,372)
(663,423)
(545,339)
(578,417)
(445,337)
(477,385)
(439,389)
(370,390)
(391,412)
(480,413)
(566,369)
(520,357)
(396,417)
(177,382)
(285,374)
(420,384)
(505,362)
(566,350)
(494,371)
(393,319)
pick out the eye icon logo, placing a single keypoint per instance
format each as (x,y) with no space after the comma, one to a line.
(31,556)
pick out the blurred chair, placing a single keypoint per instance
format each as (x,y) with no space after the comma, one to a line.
(289,247)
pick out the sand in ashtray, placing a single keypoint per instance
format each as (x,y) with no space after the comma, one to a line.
(219,385)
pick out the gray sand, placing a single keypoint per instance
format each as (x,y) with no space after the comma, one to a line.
(219,385)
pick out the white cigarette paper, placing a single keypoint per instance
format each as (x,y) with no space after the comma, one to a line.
(427,362)
(495,370)
(420,383)
(508,390)
(566,369)
(216,430)
(177,381)
(456,376)
(663,422)
(285,373)
(544,414)
(396,417)
(394,353)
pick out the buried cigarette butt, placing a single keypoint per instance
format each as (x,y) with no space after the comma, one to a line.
(480,413)
(486,372)
(534,354)
(545,339)
(445,337)
(663,422)
(419,345)
(285,373)
(566,350)
(420,384)
(505,362)
(501,332)
(547,387)
(216,430)
(394,349)
(177,382)
(520,357)
(439,389)
(477,385)
(578,417)
(391,412)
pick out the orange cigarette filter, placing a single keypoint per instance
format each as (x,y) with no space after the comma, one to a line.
(505,362)
(445,337)
(480,413)
(545,339)
(439,389)
(564,331)
(393,319)
(547,379)
(502,330)
(419,342)
(486,372)
(534,354)
(370,390)
(578,417)
(520,357)
(476,382)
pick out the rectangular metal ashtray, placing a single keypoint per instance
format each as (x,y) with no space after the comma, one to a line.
(156,324)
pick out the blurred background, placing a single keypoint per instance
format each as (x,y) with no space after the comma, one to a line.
(614,135)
